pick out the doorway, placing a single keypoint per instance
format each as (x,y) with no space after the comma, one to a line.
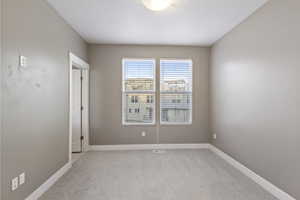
(79,107)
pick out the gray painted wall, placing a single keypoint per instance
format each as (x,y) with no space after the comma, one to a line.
(35,98)
(106,99)
(256,93)
(0,97)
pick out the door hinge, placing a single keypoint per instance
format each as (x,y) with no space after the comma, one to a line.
(82,137)
(82,108)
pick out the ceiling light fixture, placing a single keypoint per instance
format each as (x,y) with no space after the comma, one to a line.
(157,5)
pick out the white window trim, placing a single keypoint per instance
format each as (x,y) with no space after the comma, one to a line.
(124,123)
(192,92)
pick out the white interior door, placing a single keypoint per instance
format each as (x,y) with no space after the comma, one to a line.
(76,112)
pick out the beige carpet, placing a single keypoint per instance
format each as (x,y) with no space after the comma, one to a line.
(143,175)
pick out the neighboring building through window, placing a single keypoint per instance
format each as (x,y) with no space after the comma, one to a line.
(149,99)
(176,81)
(134,99)
(138,91)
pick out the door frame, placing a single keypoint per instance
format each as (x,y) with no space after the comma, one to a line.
(85,67)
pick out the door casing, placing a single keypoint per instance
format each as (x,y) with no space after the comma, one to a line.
(85,67)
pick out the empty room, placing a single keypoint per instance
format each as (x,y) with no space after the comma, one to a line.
(150,99)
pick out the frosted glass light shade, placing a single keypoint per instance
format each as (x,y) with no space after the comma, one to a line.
(157,5)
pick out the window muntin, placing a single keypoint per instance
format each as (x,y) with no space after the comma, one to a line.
(176,91)
(138,91)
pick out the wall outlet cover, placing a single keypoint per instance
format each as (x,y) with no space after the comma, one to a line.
(215,136)
(22,178)
(23,61)
(143,133)
(14,184)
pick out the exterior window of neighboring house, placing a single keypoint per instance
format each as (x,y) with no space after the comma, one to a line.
(176,91)
(134,99)
(176,101)
(138,91)
(149,99)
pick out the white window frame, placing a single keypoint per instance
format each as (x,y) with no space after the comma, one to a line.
(192,93)
(138,92)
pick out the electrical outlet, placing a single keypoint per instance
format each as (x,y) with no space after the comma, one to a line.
(215,136)
(22,178)
(143,134)
(23,61)
(14,184)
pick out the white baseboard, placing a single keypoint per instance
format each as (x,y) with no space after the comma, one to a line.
(268,186)
(51,181)
(147,147)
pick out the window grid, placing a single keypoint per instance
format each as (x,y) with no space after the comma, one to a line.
(185,109)
(182,96)
(148,92)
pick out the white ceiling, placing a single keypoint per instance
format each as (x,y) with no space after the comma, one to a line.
(187,22)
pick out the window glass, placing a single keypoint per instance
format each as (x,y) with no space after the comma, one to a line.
(176,85)
(138,91)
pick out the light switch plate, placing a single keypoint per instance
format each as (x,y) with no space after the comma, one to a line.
(14,184)
(22,178)
(215,136)
(143,133)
